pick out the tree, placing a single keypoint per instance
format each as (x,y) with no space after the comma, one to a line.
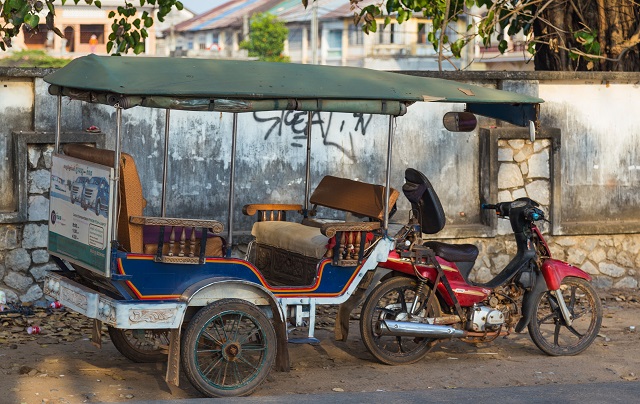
(561,34)
(266,38)
(128,30)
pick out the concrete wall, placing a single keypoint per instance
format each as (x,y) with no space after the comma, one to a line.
(587,174)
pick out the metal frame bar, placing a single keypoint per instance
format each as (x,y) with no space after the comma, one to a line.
(58,124)
(163,202)
(116,175)
(307,185)
(232,174)
(387,189)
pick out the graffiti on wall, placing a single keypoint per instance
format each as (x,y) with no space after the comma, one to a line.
(330,125)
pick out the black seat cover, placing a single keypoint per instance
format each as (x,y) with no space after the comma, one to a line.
(425,203)
(454,252)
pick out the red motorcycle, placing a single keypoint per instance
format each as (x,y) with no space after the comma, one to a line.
(428,296)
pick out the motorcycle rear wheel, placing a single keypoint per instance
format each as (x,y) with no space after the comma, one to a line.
(392,299)
(549,331)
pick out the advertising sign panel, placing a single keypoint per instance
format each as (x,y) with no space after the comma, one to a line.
(80,203)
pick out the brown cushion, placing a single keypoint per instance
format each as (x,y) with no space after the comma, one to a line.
(295,237)
(357,197)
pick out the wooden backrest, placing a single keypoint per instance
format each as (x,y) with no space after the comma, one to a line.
(357,197)
(132,202)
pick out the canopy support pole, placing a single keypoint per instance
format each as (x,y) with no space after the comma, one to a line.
(307,185)
(387,187)
(232,169)
(58,125)
(115,208)
(165,163)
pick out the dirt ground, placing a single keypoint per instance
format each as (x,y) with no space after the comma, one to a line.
(60,365)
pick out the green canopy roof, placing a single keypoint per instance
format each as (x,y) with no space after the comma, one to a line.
(243,86)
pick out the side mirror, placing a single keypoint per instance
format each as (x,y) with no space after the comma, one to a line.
(532,131)
(459,121)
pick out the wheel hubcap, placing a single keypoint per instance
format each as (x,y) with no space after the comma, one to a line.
(231,350)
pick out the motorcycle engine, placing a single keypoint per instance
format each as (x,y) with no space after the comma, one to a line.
(485,318)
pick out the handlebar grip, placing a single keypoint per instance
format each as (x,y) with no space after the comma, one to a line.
(488,206)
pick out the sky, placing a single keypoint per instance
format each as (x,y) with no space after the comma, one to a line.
(200,6)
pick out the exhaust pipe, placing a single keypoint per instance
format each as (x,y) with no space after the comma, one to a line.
(409,329)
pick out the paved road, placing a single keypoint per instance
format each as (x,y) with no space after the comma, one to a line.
(593,393)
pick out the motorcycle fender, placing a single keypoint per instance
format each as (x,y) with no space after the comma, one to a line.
(554,271)
(529,300)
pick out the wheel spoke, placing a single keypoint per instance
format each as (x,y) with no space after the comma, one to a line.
(403,302)
(250,333)
(572,299)
(556,334)
(236,372)
(544,319)
(211,366)
(252,366)
(207,335)
(253,347)
(399,341)
(235,326)
(574,331)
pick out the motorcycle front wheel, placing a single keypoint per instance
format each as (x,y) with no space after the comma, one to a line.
(551,333)
(392,300)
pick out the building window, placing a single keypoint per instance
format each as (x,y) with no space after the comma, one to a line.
(388,35)
(295,38)
(334,41)
(356,36)
(38,37)
(87,30)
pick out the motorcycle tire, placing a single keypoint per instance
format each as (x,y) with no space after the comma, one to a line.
(549,331)
(228,348)
(392,299)
(141,346)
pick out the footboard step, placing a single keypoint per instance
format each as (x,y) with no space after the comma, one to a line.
(310,341)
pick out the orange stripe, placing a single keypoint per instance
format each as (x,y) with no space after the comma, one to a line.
(284,291)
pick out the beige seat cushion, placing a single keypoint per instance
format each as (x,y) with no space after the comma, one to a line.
(294,237)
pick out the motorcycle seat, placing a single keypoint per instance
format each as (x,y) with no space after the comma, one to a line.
(454,252)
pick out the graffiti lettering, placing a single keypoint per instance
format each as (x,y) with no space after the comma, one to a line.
(296,122)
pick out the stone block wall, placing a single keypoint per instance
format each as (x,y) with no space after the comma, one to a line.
(525,170)
(23,246)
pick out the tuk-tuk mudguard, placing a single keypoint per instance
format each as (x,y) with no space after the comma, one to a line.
(209,290)
(553,272)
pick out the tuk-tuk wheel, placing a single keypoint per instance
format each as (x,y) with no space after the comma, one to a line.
(141,346)
(228,348)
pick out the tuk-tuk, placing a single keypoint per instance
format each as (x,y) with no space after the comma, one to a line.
(170,288)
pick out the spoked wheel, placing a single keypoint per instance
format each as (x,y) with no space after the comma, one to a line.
(392,300)
(141,346)
(228,348)
(551,333)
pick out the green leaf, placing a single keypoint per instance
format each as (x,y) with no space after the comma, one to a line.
(109,46)
(531,48)
(305,3)
(179,5)
(373,26)
(136,23)
(98,3)
(32,20)
(111,14)
(387,21)
(502,46)
(573,56)
(148,22)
